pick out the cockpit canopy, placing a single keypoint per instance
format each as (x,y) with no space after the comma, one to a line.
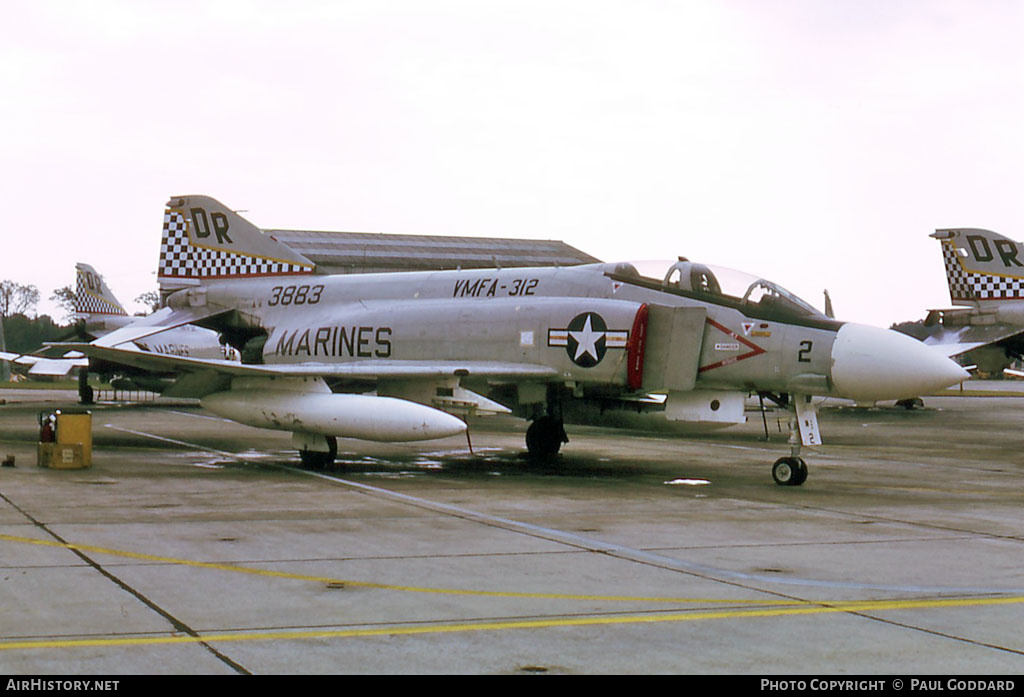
(749,293)
(699,278)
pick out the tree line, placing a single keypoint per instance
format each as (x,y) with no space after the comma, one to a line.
(23,332)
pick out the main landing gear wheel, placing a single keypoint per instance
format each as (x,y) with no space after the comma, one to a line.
(789,471)
(545,436)
(317,460)
(85,392)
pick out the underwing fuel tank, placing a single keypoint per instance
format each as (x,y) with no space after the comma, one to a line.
(366,417)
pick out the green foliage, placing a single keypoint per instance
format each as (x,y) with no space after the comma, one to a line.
(25,335)
(65,298)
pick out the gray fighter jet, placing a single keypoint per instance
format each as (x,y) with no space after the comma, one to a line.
(985,274)
(406,356)
(97,313)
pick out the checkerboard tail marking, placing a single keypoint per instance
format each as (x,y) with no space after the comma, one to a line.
(969,286)
(179,259)
(92,296)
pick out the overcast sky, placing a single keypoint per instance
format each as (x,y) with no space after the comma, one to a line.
(815,143)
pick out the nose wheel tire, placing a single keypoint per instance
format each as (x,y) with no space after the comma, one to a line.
(789,471)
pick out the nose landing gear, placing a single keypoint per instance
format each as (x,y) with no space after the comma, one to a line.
(803,430)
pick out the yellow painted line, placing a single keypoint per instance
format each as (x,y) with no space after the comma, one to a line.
(866,606)
(383,586)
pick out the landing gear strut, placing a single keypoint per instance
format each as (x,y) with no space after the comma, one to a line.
(803,430)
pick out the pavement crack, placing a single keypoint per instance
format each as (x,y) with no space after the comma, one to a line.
(177,624)
(935,632)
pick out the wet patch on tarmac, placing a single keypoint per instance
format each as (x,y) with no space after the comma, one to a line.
(484,463)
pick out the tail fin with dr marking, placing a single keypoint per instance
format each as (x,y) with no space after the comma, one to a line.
(92,294)
(97,310)
(982,267)
(205,240)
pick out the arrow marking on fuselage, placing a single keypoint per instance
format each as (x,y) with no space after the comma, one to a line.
(755,349)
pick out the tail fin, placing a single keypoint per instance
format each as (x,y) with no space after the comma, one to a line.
(203,239)
(981,266)
(92,294)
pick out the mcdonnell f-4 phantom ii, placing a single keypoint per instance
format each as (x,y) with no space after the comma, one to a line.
(96,312)
(100,316)
(985,274)
(407,356)
(103,318)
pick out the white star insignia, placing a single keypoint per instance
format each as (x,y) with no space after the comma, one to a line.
(586,341)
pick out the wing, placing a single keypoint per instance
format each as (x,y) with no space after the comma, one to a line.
(218,370)
(956,342)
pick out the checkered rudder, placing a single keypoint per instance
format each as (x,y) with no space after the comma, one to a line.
(89,298)
(179,259)
(966,285)
(86,303)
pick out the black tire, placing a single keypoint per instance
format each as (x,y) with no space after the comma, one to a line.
(85,393)
(545,436)
(801,473)
(316,460)
(789,471)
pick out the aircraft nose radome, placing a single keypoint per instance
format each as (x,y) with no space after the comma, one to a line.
(872,364)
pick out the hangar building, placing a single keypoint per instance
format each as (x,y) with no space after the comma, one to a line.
(367,252)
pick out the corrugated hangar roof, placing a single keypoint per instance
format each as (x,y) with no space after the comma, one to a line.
(365,252)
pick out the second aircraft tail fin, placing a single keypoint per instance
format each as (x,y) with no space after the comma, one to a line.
(981,266)
(92,294)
